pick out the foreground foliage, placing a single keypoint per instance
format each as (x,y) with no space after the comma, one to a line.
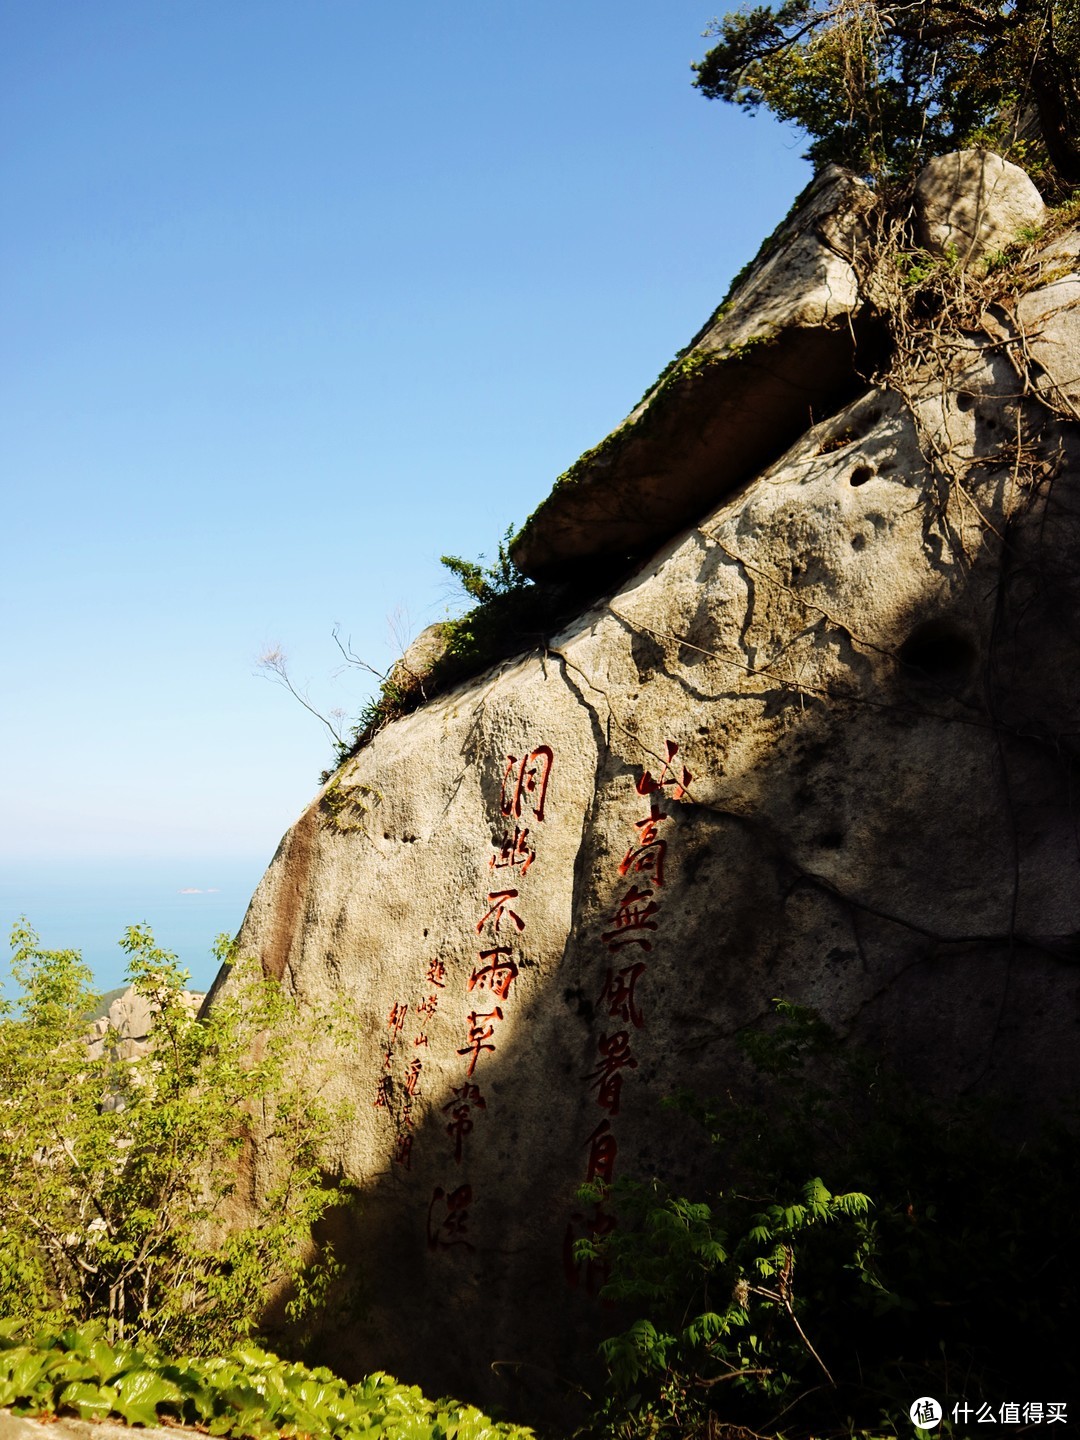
(769,1302)
(247,1392)
(116,1173)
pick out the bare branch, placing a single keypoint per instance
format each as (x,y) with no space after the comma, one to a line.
(351,657)
(273,664)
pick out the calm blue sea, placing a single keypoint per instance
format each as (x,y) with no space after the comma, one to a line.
(79,904)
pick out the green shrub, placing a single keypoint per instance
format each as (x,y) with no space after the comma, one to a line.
(934,1262)
(116,1173)
(510,614)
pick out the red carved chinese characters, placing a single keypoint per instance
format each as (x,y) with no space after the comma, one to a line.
(648,786)
(498,975)
(400,1111)
(498,900)
(394,1023)
(396,1020)
(602,1153)
(615,1057)
(618,993)
(425,1009)
(448,1218)
(523,796)
(479,1034)
(428,1005)
(647,856)
(633,913)
(635,921)
(525,783)
(514,852)
(466,1099)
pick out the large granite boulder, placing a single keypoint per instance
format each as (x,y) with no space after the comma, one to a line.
(971,202)
(125,1027)
(1048,316)
(819,746)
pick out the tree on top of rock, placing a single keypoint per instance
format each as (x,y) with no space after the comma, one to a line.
(881,85)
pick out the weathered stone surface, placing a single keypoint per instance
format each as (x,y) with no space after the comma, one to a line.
(24,1427)
(820,745)
(421,656)
(129,1021)
(1049,318)
(781,349)
(972,202)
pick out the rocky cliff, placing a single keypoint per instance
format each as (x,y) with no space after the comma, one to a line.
(124,1029)
(819,744)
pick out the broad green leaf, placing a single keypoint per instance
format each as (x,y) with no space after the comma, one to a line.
(148,1387)
(93,1402)
(27,1367)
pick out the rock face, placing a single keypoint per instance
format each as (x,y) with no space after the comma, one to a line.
(972,202)
(820,746)
(128,1022)
(24,1427)
(1049,317)
(420,657)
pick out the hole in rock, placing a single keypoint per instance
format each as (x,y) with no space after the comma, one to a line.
(939,651)
(964,401)
(837,442)
(861,474)
(864,422)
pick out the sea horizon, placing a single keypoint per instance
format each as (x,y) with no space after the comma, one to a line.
(86,904)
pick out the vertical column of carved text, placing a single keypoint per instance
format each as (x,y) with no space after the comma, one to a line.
(522,800)
(633,923)
(397,1100)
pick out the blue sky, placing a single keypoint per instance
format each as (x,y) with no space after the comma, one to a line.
(297,297)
